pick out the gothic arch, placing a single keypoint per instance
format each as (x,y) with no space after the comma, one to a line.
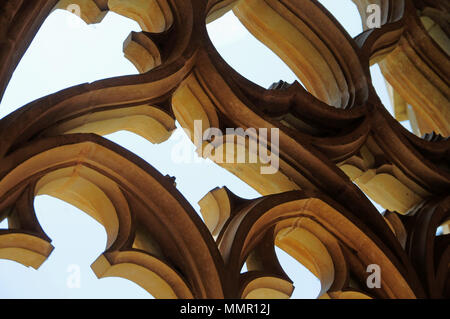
(338,135)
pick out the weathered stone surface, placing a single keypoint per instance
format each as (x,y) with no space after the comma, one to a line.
(332,137)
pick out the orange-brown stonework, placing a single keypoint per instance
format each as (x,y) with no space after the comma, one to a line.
(337,145)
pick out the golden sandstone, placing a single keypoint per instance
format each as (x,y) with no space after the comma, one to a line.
(337,144)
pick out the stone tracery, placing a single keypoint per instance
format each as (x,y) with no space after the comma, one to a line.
(333,135)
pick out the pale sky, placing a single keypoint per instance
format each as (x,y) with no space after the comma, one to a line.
(67,52)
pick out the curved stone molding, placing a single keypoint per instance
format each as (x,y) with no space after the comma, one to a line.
(90,11)
(142,52)
(82,156)
(286,211)
(306,47)
(335,145)
(29,250)
(430,253)
(218,8)
(152,15)
(267,288)
(19,22)
(417,65)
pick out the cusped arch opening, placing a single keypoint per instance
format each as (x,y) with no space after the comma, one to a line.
(306,284)
(304,45)
(79,186)
(65,52)
(78,240)
(259,64)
